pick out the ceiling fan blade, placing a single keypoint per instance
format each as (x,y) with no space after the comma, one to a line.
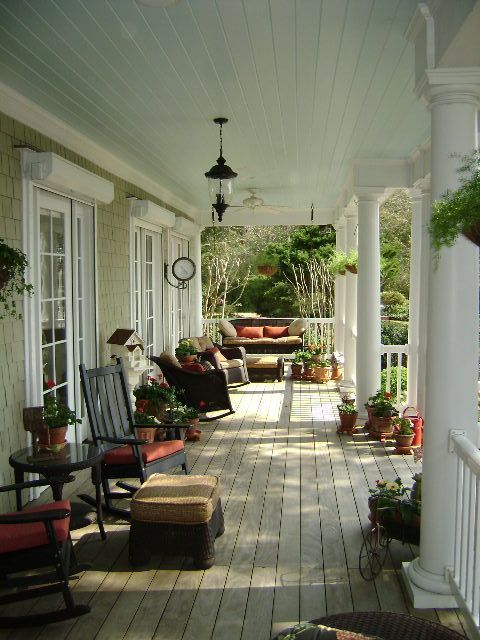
(275,210)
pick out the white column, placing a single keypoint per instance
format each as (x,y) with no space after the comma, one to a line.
(416,199)
(368,298)
(196,326)
(423,203)
(350,343)
(340,243)
(452,350)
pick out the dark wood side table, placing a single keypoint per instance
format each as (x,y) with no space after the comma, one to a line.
(56,468)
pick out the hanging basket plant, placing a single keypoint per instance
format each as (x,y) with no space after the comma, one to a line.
(337,263)
(13,263)
(459,211)
(266,264)
(351,263)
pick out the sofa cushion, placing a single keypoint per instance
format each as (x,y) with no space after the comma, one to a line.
(297,327)
(230,342)
(234,363)
(205,343)
(196,344)
(275,332)
(250,332)
(217,354)
(169,360)
(227,329)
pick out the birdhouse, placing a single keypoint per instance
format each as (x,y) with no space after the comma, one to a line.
(128,345)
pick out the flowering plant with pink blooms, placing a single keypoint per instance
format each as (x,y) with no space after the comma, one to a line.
(55,412)
(153,390)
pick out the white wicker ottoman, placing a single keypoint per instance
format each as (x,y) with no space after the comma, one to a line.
(178,515)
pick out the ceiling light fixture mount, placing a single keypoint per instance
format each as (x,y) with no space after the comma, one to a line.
(220,179)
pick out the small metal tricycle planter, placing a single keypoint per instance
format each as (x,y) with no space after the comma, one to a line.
(399,521)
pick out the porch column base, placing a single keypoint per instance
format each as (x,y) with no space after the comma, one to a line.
(427,590)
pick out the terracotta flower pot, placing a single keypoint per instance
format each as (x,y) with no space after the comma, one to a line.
(52,436)
(322,374)
(381,427)
(403,444)
(146,433)
(307,373)
(186,359)
(347,422)
(297,371)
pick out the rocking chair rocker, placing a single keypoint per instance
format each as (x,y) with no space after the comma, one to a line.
(34,538)
(110,414)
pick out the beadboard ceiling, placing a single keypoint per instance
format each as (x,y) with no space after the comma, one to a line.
(308,85)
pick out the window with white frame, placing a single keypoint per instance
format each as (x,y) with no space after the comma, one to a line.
(180,298)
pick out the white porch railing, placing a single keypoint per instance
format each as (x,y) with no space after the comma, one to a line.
(395,386)
(318,330)
(465,574)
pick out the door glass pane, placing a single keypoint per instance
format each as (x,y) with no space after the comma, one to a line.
(58,277)
(45,240)
(48,364)
(58,232)
(46,275)
(60,362)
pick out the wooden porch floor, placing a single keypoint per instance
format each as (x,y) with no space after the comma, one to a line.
(295,501)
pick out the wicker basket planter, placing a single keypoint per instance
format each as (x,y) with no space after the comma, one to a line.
(473,233)
(267,269)
(352,268)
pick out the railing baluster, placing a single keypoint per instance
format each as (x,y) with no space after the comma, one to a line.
(458,517)
(476,554)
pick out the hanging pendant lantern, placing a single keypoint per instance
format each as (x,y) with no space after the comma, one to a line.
(220,179)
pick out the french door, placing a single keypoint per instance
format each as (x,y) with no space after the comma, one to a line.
(148,289)
(67,299)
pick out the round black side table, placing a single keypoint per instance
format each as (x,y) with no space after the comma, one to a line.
(57,467)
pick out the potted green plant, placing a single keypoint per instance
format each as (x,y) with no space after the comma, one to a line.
(297,365)
(370,405)
(307,366)
(13,263)
(351,262)
(403,434)
(382,414)
(348,418)
(459,210)
(145,426)
(337,263)
(56,418)
(191,415)
(390,504)
(185,351)
(153,398)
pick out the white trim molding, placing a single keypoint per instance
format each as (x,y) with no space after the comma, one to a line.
(148,211)
(49,170)
(186,228)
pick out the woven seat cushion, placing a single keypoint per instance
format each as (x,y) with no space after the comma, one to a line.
(176,499)
(234,363)
(262,362)
(150,452)
(15,537)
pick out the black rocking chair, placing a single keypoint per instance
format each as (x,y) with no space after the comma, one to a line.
(35,538)
(110,414)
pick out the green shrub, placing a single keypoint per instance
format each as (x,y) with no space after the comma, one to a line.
(393,382)
(392,298)
(394,332)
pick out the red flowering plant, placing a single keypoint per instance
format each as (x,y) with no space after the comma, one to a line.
(55,412)
(381,404)
(153,390)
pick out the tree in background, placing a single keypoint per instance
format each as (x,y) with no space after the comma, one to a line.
(395,226)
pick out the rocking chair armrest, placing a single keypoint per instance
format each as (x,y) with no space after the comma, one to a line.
(124,440)
(40,516)
(32,483)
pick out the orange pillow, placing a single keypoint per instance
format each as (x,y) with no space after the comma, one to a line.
(275,332)
(249,332)
(217,353)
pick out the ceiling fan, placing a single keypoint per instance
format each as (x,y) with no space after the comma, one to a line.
(254,202)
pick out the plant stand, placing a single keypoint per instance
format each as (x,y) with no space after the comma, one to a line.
(403,445)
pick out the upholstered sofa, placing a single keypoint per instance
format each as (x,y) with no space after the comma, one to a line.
(263,335)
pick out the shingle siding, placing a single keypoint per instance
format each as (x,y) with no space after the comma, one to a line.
(112,264)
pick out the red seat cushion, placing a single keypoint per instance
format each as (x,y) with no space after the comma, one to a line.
(193,366)
(275,332)
(150,452)
(250,332)
(16,537)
